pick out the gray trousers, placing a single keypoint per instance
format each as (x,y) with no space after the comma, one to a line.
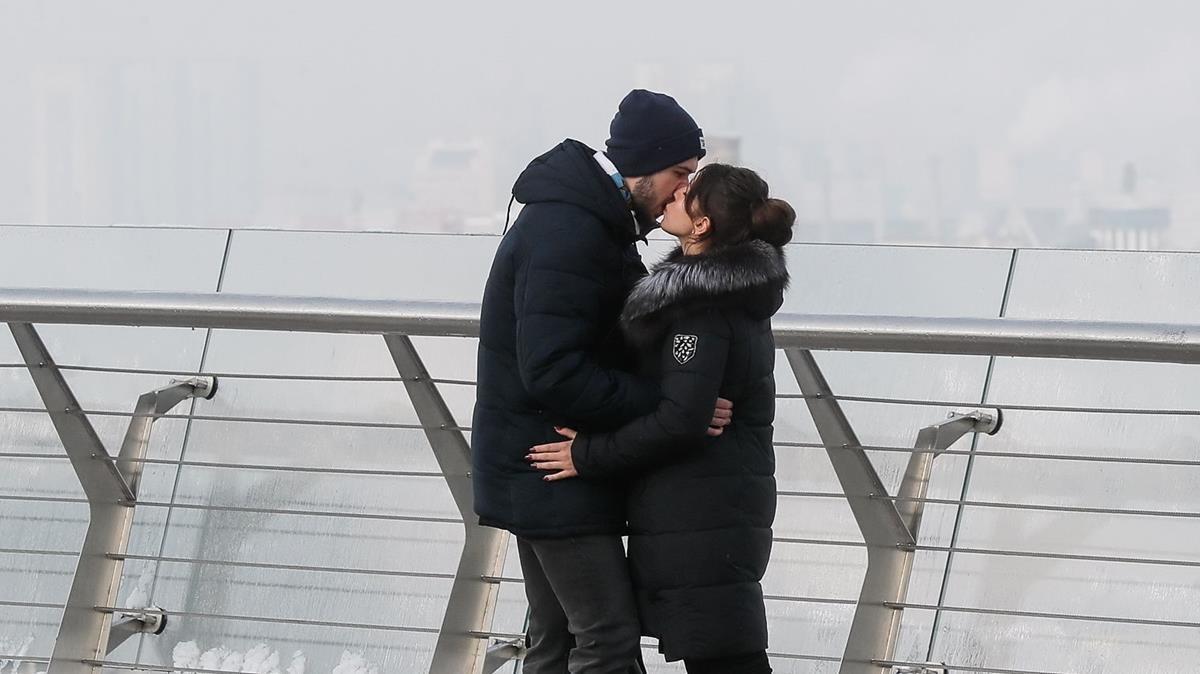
(582,615)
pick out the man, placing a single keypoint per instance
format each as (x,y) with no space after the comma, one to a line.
(550,355)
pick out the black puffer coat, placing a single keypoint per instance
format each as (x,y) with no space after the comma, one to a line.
(550,347)
(700,508)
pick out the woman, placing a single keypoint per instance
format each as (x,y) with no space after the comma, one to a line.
(700,508)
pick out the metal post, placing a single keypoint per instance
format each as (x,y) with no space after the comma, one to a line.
(873,631)
(889,528)
(501,652)
(129,623)
(111,492)
(461,647)
(932,441)
(150,406)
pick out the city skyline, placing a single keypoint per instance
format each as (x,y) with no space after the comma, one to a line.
(923,124)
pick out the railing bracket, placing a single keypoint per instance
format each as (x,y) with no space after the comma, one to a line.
(501,652)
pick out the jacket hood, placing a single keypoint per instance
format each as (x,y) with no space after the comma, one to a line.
(568,173)
(751,276)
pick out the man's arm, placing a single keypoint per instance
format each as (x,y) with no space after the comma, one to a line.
(559,287)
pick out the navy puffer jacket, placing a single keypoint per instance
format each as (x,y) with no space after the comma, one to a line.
(550,351)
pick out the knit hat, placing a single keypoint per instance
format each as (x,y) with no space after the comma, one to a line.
(651,132)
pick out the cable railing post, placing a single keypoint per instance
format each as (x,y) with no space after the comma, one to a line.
(460,648)
(875,626)
(931,442)
(86,634)
(889,526)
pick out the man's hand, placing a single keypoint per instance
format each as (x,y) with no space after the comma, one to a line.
(722,417)
(555,457)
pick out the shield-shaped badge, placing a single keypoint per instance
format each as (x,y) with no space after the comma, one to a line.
(684,348)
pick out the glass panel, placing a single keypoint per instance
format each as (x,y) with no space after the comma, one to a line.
(361,265)
(304,595)
(782,665)
(350,384)
(1095,286)
(315,492)
(871,280)
(49,585)
(268,538)
(229,645)
(29,632)
(111,258)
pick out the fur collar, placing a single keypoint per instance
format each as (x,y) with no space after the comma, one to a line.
(710,277)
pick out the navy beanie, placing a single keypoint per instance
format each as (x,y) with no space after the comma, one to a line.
(652,132)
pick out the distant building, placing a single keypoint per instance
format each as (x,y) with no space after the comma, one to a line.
(145,143)
(1129,228)
(453,187)
(722,150)
(64,166)
(1129,220)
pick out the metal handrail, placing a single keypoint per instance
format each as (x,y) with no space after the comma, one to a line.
(1034,338)
(795,333)
(238,312)
(85,633)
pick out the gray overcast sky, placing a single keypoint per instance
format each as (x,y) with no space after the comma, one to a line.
(349,93)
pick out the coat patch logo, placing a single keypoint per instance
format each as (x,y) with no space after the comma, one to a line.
(684,348)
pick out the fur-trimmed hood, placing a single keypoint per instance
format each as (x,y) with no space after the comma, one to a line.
(751,276)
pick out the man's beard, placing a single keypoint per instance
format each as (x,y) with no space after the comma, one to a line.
(643,201)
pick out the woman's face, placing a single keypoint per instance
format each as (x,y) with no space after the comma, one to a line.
(676,220)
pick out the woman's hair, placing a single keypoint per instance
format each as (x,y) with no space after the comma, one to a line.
(737,202)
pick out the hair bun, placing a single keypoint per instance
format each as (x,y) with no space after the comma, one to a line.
(772,222)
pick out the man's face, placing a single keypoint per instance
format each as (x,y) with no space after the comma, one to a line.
(652,193)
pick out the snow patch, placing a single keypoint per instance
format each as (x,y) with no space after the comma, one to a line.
(15,649)
(260,659)
(354,663)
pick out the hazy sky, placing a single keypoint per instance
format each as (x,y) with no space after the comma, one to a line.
(349,94)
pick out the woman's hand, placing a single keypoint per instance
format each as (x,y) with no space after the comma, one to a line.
(555,457)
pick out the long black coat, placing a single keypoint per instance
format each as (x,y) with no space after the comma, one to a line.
(700,508)
(550,347)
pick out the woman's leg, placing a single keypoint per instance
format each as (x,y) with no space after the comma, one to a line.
(749,663)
